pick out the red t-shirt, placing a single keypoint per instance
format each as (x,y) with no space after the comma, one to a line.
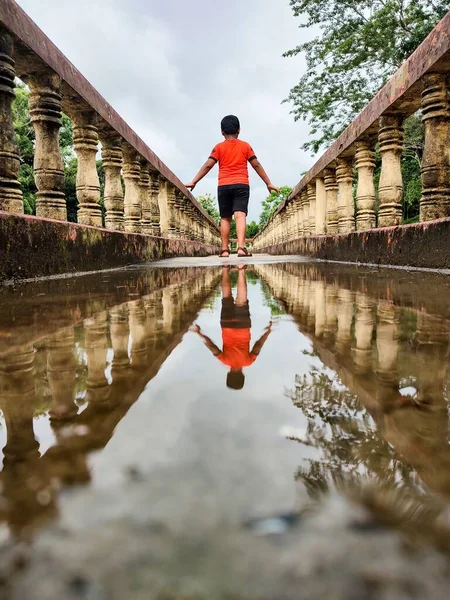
(233,156)
(236,348)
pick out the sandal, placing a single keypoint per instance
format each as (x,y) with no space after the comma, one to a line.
(225,253)
(245,251)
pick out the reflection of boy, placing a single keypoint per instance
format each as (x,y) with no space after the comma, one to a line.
(235,322)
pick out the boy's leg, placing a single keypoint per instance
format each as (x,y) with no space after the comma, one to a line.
(225,224)
(241,298)
(241,226)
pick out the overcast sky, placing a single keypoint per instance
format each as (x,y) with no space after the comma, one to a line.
(174,68)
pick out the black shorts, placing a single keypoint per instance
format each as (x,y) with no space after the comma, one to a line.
(233,198)
(234,317)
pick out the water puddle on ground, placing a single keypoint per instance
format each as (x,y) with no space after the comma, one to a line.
(247,393)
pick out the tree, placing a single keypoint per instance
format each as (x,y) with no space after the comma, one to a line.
(360,45)
(271,203)
(209,204)
(252,229)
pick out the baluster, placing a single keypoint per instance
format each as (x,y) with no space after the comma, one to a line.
(311,191)
(365,191)
(305,212)
(435,200)
(390,188)
(345,308)
(171,212)
(154,209)
(346,210)
(120,336)
(145,192)
(321,206)
(10,193)
(45,113)
(85,142)
(132,202)
(96,345)
(331,190)
(112,164)
(321,314)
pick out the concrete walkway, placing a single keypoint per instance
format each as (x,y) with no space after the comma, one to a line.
(214,261)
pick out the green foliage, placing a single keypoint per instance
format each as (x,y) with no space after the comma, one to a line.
(252,229)
(271,203)
(209,204)
(360,45)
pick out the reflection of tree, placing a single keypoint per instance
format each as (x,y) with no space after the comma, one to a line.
(354,453)
(270,301)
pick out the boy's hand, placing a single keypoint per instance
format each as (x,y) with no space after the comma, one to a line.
(190,186)
(273,188)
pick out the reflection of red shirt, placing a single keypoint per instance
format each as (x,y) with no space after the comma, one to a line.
(236,348)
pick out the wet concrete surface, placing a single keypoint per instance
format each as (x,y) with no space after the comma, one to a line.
(161,440)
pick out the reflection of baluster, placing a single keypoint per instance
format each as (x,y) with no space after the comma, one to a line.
(387,343)
(26,486)
(61,374)
(331,317)
(96,345)
(120,335)
(364,324)
(345,319)
(17,397)
(320,309)
(311,322)
(138,334)
(432,343)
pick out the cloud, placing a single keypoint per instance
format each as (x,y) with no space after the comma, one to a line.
(172,69)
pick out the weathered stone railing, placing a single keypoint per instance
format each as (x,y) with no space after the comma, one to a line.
(323,201)
(153,201)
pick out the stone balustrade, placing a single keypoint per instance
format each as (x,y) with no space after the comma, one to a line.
(338,194)
(141,195)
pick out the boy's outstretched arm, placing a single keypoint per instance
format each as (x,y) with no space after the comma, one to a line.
(203,171)
(260,343)
(259,169)
(208,341)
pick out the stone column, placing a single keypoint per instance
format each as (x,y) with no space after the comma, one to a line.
(390,188)
(172,231)
(346,210)
(45,112)
(112,164)
(321,206)
(331,190)
(365,191)
(163,207)
(145,192)
(85,142)
(133,201)
(435,200)
(154,206)
(305,212)
(181,212)
(311,191)
(10,192)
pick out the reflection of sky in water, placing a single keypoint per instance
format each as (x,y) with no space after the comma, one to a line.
(192,436)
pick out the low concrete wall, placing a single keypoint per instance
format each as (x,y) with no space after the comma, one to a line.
(425,245)
(35,247)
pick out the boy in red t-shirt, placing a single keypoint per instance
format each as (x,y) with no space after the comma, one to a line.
(234,191)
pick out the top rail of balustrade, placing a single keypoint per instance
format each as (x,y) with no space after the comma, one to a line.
(401,95)
(29,37)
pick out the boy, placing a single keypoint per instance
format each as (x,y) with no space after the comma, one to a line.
(234,191)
